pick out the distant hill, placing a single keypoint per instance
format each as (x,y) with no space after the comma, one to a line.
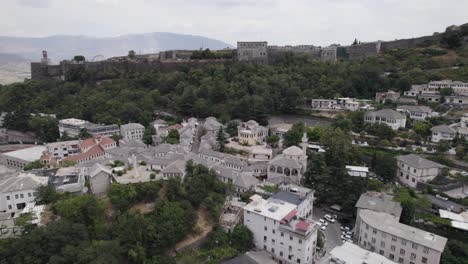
(6,57)
(62,47)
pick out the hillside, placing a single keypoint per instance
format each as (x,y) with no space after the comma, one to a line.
(65,47)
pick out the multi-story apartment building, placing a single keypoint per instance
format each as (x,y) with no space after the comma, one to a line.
(344,103)
(413,169)
(398,242)
(73,127)
(390,117)
(17,159)
(251,133)
(301,196)
(255,51)
(278,229)
(442,132)
(132,131)
(417,112)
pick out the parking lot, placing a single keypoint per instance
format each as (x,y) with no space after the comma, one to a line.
(332,232)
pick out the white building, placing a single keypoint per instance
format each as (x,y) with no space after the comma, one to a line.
(413,169)
(278,229)
(390,117)
(398,242)
(357,171)
(251,133)
(442,132)
(132,131)
(19,158)
(463,128)
(349,253)
(18,191)
(344,103)
(417,112)
(72,127)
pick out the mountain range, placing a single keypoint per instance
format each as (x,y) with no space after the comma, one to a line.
(60,47)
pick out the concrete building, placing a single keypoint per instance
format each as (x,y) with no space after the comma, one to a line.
(387,96)
(18,191)
(398,242)
(349,253)
(328,53)
(413,169)
(251,133)
(132,131)
(255,52)
(463,127)
(457,100)
(390,117)
(442,132)
(19,158)
(357,171)
(73,126)
(63,149)
(100,179)
(378,202)
(416,112)
(300,196)
(278,229)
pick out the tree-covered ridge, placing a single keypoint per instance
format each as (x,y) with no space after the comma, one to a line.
(89,229)
(232,90)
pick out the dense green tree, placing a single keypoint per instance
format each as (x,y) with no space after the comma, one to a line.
(37,164)
(221,139)
(122,196)
(231,128)
(407,214)
(294,136)
(241,238)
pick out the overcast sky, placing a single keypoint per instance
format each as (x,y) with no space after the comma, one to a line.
(319,22)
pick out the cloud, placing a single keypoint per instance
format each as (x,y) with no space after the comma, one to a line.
(36,3)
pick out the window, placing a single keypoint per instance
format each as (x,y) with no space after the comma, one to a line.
(374,231)
(394,238)
(264,218)
(402,251)
(381,252)
(391,256)
(22,195)
(426,250)
(413,256)
(273,241)
(290,238)
(400,260)
(16,196)
(8,197)
(264,238)
(281,253)
(382,244)
(415,246)
(373,240)
(265,228)
(29,195)
(272,250)
(424,260)
(273,231)
(300,241)
(290,248)
(282,234)
(392,248)
(298,260)
(9,207)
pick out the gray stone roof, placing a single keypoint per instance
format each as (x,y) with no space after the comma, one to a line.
(293,151)
(245,181)
(443,129)
(280,160)
(391,226)
(177,166)
(132,126)
(419,162)
(22,182)
(386,113)
(380,202)
(415,108)
(132,143)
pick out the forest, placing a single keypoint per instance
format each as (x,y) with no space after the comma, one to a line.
(229,91)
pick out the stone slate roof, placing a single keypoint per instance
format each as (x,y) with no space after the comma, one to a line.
(281,161)
(416,108)
(443,129)
(132,126)
(245,181)
(293,151)
(390,225)
(386,113)
(22,182)
(380,202)
(419,162)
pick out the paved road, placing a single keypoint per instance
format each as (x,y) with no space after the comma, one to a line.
(332,233)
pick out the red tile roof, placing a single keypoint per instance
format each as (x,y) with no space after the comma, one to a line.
(302,225)
(94,151)
(87,143)
(291,214)
(176,127)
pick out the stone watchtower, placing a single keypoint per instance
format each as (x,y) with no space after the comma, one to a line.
(254,52)
(45,59)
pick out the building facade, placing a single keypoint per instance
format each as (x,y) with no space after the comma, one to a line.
(413,169)
(278,229)
(398,242)
(251,133)
(252,51)
(390,117)
(132,131)
(442,132)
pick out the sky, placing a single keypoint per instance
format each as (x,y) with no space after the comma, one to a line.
(280,22)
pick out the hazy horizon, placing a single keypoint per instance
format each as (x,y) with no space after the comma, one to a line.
(278,22)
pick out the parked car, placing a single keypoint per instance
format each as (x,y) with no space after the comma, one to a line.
(345,237)
(323,227)
(329,219)
(323,222)
(345,228)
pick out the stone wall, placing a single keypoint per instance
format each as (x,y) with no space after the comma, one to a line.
(410,43)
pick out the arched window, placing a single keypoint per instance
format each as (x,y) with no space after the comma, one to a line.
(294,172)
(287,171)
(272,168)
(279,170)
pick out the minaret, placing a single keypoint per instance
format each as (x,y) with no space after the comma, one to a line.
(304,145)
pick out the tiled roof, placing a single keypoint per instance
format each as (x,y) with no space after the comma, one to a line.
(419,162)
(443,129)
(387,113)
